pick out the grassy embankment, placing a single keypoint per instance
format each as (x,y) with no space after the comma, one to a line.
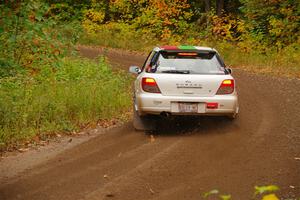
(80,92)
(45,87)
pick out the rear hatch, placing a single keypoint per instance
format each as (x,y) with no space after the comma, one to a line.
(188,72)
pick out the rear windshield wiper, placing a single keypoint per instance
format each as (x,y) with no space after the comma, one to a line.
(177,71)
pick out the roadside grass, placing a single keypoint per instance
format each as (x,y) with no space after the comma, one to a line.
(284,62)
(119,36)
(80,91)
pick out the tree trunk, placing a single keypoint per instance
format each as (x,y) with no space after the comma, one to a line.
(106,10)
(220,7)
(207,5)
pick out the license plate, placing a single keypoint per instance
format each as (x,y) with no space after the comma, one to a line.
(188,107)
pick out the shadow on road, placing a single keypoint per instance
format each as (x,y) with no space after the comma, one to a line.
(187,125)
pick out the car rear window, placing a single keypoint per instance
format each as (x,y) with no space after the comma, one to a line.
(188,63)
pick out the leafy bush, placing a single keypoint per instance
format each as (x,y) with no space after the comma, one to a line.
(161,18)
(275,22)
(226,27)
(93,17)
(31,39)
(119,35)
(164,18)
(42,89)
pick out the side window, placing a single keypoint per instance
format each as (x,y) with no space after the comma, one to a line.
(222,64)
(221,60)
(148,60)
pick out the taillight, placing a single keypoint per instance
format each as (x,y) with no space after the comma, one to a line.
(227,87)
(149,85)
(212,105)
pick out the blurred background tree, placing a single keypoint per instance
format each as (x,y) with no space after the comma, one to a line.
(247,24)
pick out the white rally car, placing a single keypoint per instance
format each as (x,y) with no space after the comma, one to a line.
(183,80)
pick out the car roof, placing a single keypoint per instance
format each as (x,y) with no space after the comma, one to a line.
(183,48)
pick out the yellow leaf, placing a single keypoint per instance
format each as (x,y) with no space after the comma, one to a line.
(270,197)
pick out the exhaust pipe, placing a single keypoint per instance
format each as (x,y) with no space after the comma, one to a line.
(165,114)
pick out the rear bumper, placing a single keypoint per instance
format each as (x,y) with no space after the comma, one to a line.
(148,103)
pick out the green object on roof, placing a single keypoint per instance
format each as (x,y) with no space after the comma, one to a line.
(186,47)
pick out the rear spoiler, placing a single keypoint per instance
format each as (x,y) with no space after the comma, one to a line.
(187,53)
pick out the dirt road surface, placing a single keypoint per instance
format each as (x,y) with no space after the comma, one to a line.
(185,157)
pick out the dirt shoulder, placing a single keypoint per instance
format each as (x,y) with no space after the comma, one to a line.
(16,162)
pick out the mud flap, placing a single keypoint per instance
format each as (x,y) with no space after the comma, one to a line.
(143,123)
(234,115)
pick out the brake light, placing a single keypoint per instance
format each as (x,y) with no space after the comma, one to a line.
(227,87)
(150,85)
(187,54)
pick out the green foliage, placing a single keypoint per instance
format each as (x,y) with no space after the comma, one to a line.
(284,62)
(165,18)
(95,15)
(31,40)
(227,28)
(66,10)
(79,92)
(274,22)
(42,90)
(260,192)
(119,35)
(62,12)
(161,18)
(127,10)
(264,189)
